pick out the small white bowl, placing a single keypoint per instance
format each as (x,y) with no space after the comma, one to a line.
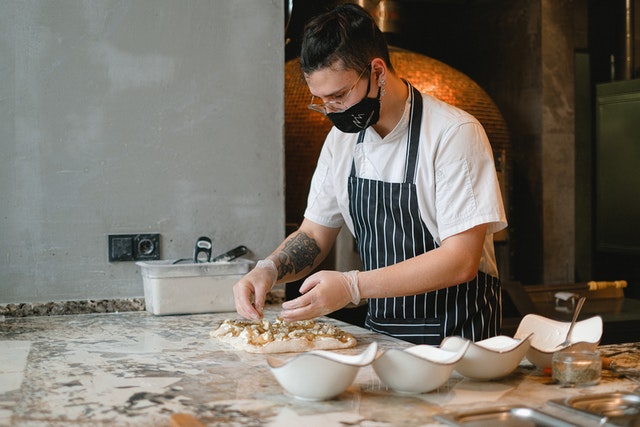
(548,334)
(489,359)
(319,374)
(417,369)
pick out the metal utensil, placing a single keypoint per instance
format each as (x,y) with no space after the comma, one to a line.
(232,254)
(567,340)
(203,246)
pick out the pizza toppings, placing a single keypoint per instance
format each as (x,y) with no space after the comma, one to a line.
(279,336)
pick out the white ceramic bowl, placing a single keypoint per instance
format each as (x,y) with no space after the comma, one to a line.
(548,334)
(320,374)
(488,359)
(417,369)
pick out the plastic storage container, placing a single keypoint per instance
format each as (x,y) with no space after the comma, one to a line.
(187,288)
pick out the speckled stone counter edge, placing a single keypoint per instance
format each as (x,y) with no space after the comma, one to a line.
(93,306)
(72,307)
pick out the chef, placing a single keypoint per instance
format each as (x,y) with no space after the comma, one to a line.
(413,180)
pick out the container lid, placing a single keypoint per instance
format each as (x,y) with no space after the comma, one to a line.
(168,268)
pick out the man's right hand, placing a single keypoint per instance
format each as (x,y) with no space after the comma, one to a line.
(250,292)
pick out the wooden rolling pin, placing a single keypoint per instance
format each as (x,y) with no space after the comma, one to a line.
(594,286)
(185,420)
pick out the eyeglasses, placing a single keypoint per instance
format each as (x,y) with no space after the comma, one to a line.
(335,105)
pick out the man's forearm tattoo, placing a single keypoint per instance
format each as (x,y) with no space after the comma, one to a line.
(298,253)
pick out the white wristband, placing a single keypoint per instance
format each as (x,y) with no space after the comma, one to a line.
(268,264)
(354,290)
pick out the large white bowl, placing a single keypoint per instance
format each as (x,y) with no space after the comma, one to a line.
(417,369)
(548,334)
(489,359)
(320,374)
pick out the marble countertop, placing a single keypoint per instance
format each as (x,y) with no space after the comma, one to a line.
(137,369)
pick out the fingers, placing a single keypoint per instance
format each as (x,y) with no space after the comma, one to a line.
(310,282)
(301,301)
(250,294)
(242,298)
(321,294)
(306,299)
(258,304)
(301,308)
(304,313)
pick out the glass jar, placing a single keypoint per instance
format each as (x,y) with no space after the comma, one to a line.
(577,368)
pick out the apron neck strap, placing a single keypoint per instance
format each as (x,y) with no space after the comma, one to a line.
(414,134)
(413,139)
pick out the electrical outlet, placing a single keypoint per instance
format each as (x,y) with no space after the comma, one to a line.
(134,247)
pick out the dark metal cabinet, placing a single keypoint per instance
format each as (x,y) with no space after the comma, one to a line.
(618,167)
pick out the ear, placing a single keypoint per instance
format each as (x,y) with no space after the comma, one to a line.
(379,68)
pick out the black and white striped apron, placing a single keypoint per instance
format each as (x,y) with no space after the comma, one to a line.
(388,230)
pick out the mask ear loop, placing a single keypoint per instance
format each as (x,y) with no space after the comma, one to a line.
(380,89)
(381,83)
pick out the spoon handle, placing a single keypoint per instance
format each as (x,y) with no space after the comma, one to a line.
(575,317)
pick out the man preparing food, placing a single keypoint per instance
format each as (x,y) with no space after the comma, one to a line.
(411,177)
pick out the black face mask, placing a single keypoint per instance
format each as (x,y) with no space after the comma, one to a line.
(359,116)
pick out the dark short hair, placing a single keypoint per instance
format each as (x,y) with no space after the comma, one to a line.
(347,34)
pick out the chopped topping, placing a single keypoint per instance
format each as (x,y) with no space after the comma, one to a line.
(263,332)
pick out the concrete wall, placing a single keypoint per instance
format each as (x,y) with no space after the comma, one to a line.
(130,117)
(558,140)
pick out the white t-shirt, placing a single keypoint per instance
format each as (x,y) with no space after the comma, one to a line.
(456,179)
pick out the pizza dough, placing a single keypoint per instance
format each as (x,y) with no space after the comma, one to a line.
(282,337)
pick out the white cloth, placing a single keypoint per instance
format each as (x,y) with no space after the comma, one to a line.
(456,178)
